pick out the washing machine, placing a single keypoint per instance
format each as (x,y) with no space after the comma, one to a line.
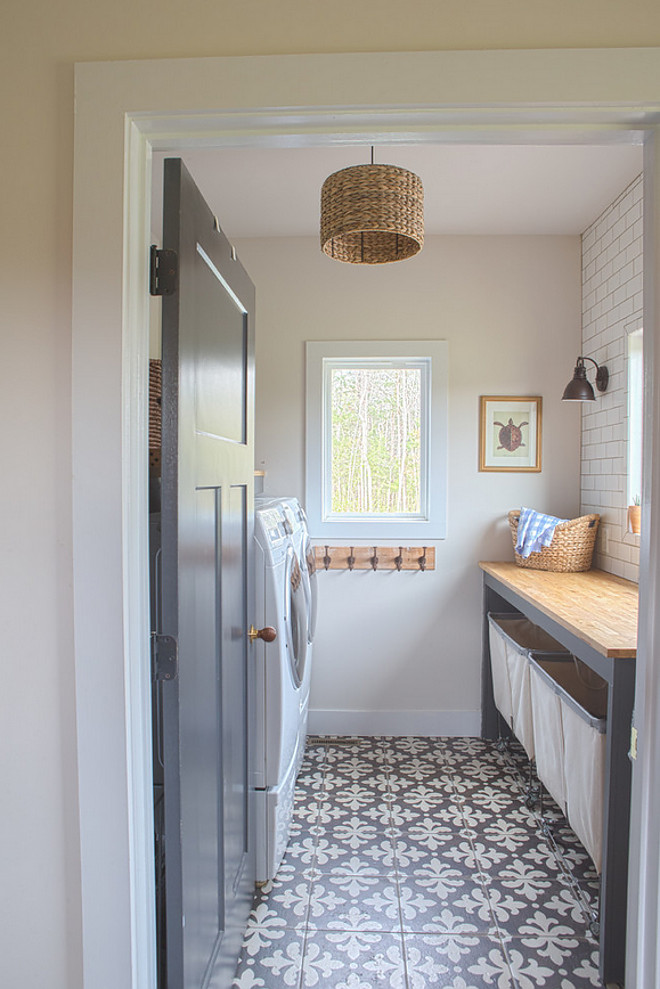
(283,671)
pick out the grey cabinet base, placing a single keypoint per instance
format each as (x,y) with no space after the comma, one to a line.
(620,676)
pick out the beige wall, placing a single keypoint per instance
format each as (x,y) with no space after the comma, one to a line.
(38,44)
(402,652)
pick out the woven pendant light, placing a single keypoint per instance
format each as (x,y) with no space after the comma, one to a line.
(372,214)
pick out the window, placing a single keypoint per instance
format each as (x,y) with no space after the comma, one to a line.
(635,411)
(377,439)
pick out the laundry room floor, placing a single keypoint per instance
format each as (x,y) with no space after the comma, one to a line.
(415,862)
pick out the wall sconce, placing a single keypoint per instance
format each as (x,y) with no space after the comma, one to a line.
(578,388)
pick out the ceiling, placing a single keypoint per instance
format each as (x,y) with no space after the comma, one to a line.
(468,189)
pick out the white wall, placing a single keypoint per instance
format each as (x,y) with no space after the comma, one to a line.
(612,257)
(510,310)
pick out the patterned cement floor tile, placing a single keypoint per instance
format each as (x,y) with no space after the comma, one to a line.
(360,903)
(421,767)
(332,811)
(497,860)
(353,798)
(523,909)
(376,782)
(353,960)
(428,907)
(553,963)
(283,901)
(426,852)
(271,963)
(457,962)
(440,787)
(340,855)
(300,852)
(407,809)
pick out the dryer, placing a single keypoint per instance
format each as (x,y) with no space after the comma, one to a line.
(283,672)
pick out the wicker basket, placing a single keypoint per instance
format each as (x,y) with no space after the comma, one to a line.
(571,548)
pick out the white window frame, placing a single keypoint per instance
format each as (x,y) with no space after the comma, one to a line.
(431,357)
(635,389)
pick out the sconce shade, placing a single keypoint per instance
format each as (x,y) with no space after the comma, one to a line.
(579,389)
(372,214)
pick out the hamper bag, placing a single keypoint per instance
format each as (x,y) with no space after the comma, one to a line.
(571,548)
(582,699)
(520,637)
(548,735)
(498,666)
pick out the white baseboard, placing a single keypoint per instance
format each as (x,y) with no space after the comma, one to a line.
(427,723)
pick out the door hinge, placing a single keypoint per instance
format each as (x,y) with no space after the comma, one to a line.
(164,657)
(163,271)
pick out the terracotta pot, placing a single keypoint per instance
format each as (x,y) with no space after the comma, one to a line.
(634,517)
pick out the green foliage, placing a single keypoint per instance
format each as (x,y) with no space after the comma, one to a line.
(376,427)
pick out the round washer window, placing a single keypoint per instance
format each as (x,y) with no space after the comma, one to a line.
(296,625)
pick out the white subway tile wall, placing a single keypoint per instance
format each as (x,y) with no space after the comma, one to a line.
(611,301)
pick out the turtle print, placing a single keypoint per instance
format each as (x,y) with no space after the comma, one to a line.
(510,436)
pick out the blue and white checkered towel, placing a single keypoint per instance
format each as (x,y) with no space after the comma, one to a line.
(535,531)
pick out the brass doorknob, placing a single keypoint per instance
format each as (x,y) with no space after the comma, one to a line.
(268,634)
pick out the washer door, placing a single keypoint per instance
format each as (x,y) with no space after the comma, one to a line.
(295,617)
(312,590)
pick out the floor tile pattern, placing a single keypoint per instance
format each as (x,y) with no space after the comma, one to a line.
(417,862)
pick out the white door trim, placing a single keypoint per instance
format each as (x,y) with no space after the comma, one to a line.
(123,110)
(643,954)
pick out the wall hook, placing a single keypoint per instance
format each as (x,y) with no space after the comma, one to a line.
(422,559)
(398,560)
(351,560)
(326,559)
(374,559)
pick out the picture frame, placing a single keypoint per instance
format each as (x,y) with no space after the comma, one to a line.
(510,433)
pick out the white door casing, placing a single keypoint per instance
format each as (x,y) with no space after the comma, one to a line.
(123,111)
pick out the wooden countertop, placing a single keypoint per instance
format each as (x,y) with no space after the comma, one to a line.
(598,607)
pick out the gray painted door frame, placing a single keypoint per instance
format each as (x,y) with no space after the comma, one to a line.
(123,110)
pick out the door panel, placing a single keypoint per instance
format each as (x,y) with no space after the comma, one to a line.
(221,339)
(235,687)
(207,523)
(200,750)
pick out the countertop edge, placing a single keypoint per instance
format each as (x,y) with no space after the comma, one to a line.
(493,567)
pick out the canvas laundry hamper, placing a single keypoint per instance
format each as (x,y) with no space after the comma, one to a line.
(569,702)
(512,638)
(498,668)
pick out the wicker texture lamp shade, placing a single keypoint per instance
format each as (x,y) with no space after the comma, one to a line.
(372,214)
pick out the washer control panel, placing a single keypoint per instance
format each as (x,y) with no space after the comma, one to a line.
(273,525)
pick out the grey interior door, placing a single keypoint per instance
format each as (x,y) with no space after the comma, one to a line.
(207,521)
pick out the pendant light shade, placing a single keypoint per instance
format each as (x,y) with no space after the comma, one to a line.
(372,214)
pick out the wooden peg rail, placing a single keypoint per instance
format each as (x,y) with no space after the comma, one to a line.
(374,557)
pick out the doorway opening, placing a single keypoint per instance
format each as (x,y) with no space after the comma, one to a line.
(122,589)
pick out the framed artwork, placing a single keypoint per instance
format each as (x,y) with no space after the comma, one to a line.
(510,435)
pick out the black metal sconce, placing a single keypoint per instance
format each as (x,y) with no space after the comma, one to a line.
(579,388)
